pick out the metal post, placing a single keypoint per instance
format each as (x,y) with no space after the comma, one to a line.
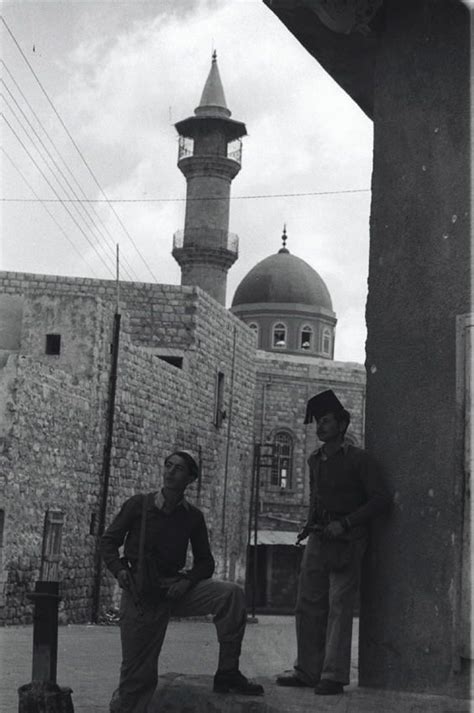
(199,483)
(117,280)
(45,631)
(43,695)
(106,466)
(255,528)
(229,427)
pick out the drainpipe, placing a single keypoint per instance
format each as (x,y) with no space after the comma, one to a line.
(104,493)
(227,452)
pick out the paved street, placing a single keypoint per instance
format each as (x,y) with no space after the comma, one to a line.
(89,659)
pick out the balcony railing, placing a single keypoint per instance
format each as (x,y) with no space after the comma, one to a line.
(186,149)
(212,239)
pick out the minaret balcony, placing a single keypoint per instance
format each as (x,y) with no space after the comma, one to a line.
(186,150)
(206,239)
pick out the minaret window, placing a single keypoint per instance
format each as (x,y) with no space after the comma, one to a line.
(282,465)
(279,336)
(186,147)
(326,341)
(254,327)
(306,341)
(234,150)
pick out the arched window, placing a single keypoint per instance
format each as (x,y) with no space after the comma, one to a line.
(326,341)
(254,327)
(306,338)
(282,462)
(279,336)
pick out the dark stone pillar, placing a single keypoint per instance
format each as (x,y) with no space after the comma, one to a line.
(418,284)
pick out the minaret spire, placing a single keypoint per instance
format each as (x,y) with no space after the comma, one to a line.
(213,101)
(205,250)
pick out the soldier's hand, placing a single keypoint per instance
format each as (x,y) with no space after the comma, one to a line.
(334,529)
(178,589)
(302,535)
(123,578)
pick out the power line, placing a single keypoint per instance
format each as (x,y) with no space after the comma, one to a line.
(58,168)
(58,154)
(76,146)
(2,115)
(74,205)
(74,217)
(52,216)
(205,198)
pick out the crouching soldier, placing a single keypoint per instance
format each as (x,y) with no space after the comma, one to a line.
(155,530)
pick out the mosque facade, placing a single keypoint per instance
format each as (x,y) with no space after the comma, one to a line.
(232,385)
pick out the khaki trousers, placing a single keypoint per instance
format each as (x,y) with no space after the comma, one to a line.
(142,637)
(324,611)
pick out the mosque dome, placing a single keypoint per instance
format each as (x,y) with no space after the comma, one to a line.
(288,305)
(283,278)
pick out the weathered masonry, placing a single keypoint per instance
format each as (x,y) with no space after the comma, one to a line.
(185,378)
(407,65)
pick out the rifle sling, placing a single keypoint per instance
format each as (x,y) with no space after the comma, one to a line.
(141,545)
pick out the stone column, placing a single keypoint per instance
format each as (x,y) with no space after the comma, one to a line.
(420,260)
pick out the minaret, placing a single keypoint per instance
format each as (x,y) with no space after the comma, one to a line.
(209,156)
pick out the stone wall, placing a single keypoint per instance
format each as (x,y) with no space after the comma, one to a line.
(52,439)
(53,423)
(159,315)
(419,283)
(284,385)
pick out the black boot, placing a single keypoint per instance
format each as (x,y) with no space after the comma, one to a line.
(236,682)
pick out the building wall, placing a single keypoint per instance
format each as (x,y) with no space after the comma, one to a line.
(52,440)
(294,317)
(53,426)
(284,385)
(420,262)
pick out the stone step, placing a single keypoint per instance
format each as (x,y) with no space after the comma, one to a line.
(179,693)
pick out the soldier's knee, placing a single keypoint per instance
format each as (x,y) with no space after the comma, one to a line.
(233,591)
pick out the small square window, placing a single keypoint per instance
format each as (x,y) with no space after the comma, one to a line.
(53,344)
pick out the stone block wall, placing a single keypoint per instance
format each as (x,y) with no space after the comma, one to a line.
(284,385)
(159,315)
(51,456)
(53,424)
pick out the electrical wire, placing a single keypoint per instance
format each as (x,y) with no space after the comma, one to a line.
(2,115)
(76,205)
(75,145)
(78,217)
(52,216)
(205,198)
(58,154)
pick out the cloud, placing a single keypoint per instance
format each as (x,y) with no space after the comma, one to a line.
(124,84)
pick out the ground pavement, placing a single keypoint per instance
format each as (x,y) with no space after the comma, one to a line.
(89,659)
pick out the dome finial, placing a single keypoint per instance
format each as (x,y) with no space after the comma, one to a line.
(284,238)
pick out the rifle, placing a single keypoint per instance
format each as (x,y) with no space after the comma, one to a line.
(132,587)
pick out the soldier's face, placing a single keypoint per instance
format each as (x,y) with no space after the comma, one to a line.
(176,473)
(328,428)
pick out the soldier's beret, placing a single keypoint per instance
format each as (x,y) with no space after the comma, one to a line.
(322,403)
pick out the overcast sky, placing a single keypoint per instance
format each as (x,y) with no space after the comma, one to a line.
(120,74)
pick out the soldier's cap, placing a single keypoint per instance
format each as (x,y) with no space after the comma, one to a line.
(322,403)
(190,460)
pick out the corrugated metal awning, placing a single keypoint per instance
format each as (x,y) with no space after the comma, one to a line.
(274,537)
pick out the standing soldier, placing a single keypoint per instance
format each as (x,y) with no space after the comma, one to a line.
(346,492)
(156,529)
